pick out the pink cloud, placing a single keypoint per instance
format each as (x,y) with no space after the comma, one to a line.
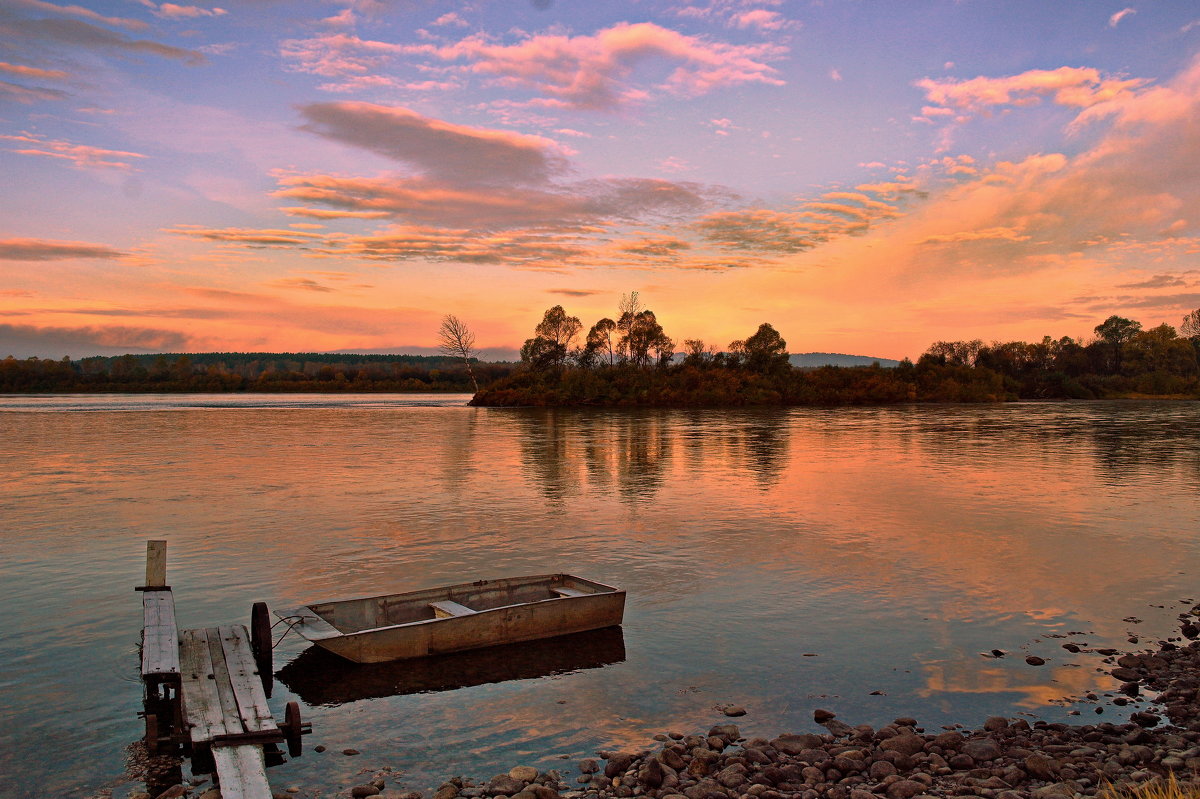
(1078,87)
(596,72)
(1116,18)
(29,94)
(81,13)
(32,72)
(173,11)
(80,155)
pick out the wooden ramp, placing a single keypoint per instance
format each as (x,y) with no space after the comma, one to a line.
(205,692)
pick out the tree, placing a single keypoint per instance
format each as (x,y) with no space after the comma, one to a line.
(1190,326)
(456,340)
(629,306)
(552,339)
(646,334)
(765,351)
(1116,331)
(599,340)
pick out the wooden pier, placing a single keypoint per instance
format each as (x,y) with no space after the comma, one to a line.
(206,691)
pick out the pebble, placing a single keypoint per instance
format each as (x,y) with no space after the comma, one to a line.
(1034,660)
(734,710)
(350,752)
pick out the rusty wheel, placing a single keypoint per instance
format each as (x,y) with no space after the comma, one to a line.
(260,642)
(293,728)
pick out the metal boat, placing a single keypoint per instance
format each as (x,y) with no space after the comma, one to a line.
(457,617)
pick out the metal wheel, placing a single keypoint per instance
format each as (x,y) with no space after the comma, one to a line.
(260,642)
(293,728)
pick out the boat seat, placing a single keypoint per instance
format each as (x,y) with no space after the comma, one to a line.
(445,609)
(569,591)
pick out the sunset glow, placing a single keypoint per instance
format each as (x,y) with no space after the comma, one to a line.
(867,177)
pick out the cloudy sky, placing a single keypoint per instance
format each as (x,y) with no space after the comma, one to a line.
(866,176)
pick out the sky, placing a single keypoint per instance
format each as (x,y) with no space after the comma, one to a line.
(868,177)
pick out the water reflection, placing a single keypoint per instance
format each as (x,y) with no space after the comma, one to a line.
(321,678)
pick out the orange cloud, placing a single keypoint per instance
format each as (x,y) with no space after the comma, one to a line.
(82,13)
(32,72)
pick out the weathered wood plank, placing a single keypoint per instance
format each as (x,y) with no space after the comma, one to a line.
(225,695)
(242,772)
(156,564)
(564,591)
(202,706)
(160,636)
(247,686)
(447,609)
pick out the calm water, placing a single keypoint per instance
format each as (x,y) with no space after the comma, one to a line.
(780,560)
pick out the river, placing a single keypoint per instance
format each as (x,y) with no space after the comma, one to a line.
(853,559)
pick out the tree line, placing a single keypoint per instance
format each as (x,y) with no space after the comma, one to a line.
(631,361)
(255,371)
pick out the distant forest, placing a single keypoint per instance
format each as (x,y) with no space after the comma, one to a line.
(244,371)
(632,362)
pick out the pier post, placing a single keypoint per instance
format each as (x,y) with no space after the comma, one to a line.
(156,564)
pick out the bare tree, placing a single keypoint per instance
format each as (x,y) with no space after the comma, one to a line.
(1191,324)
(456,340)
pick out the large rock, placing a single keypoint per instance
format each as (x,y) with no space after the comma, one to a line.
(880,769)
(732,777)
(791,744)
(904,744)
(503,784)
(905,789)
(650,775)
(1125,675)
(982,749)
(949,740)
(588,766)
(669,757)
(363,791)
(1041,767)
(618,763)
(523,773)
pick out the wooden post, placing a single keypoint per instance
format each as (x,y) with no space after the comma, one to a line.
(156,564)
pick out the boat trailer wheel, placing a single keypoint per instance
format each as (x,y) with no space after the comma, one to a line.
(293,728)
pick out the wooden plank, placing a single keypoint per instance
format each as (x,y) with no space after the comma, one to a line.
(160,636)
(156,564)
(569,591)
(313,627)
(247,686)
(201,705)
(242,772)
(229,705)
(446,609)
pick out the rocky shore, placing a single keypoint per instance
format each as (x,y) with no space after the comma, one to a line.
(1003,759)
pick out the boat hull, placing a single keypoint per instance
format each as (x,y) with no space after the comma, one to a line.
(332,626)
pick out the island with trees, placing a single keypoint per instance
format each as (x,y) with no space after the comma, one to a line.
(632,362)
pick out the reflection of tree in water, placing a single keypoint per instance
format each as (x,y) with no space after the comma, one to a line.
(546,456)
(764,445)
(563,448)
(1148,442)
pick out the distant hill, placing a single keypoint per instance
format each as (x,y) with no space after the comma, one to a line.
(811,360)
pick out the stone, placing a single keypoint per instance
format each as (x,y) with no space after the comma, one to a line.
(1125,675)
(503,784)
(363,791)
(650,775)
(961,762)
(1041,767)
(618,763)
(791,744)
(733,776)
(1034,660)
(820,716)
(880,769)
(948,740)
(211,793)
(729,732)
(539,791)
(588,766)
(905,789)
(669,757)
(350,752)
(447,791)
(838,729)
(1144,719)
(734,710)
(523,773)
(904,744)
(982,749)
(174,792)
(995,724)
